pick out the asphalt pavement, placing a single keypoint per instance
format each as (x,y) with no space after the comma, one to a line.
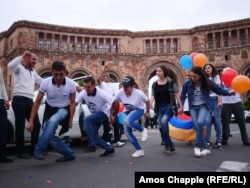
(118,170)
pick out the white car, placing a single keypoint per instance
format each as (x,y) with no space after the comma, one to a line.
(73,133)
(247,117)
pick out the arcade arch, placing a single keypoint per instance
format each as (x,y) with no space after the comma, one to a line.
(79,72)
(175,73)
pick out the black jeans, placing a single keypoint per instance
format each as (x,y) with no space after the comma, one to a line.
(238,111)
(22,108)
(3,128)
(118,131)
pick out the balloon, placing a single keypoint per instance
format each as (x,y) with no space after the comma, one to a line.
(121,108)
(183,116)
(121,118)
(192,55)
(199,60)
(241,84)
(228,74)
(186,62)
(183,130)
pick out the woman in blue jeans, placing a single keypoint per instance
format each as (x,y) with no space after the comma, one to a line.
(135,103)
(164,90)
(214,117)
(197,89)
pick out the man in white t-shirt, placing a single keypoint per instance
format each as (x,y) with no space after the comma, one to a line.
(99,103)
(59,110)
(233,105)
(105,84)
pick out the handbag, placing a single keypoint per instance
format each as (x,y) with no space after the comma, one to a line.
(172,97)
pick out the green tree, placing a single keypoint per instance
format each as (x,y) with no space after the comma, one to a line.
(246,105)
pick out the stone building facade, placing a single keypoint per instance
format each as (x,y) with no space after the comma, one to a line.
(85,50)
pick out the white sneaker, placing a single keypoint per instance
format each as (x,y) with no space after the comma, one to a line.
(205,152)
(118,144)
(144,134)
(197,152)
(138,153)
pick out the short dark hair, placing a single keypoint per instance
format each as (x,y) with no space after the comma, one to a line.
(58,66)
(89,79)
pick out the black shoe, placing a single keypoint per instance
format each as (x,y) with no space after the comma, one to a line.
(66,158)
(90,149)
(24,156)
(172,150)
(162,143)
(246,143)
(217,145)
(230,135)
(39,156)
(168,150)
(4,159)
(210,145)
(107,152)
(224,142)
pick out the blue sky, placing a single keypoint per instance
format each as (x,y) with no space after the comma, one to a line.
(133,15)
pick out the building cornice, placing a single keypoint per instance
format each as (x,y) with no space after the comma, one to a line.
(113,32)
(221,26)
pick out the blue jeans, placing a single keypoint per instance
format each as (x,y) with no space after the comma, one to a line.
(215,119)
(199,114)
(48,136)
(164,114)
(92,125)
(130,123)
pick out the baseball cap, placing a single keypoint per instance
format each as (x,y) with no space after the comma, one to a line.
(128,81)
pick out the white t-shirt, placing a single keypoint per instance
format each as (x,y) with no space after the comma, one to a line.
(230,99)
(100,102)
(136,100)
(198,97)
(107,87)
(57,96)
(217,81)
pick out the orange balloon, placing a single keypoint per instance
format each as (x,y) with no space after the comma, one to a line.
(199,60)
(240,84)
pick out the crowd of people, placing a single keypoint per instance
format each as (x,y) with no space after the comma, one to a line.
(208,101)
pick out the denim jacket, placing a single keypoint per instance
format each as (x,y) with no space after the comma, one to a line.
(188,91)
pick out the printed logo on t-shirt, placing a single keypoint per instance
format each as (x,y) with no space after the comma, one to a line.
(92,107)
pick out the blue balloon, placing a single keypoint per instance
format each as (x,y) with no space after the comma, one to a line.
(182,124)
(186,62)
(121,118)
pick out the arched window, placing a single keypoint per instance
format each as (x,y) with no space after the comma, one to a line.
(244,54)
(227,56)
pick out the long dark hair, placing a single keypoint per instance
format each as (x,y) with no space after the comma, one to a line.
(214,71)
(204,80)
(165,70)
